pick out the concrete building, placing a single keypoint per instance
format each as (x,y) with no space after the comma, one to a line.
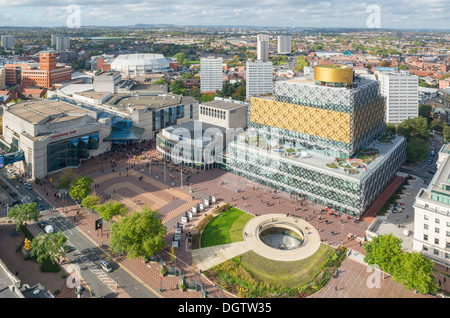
(432,214)
(62,42)
(316,138)
(7,41)
(259,78)
(225,113)
(53,135)
(211,74)
(402,95)
(262,47)
(201,143)
(284,44)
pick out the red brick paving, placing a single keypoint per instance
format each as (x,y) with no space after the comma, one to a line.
(205,184)
(352,282)
(372,211)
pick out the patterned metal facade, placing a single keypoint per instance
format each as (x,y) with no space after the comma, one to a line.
(332,122)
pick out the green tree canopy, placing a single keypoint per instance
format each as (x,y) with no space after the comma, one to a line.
(66,178)
(22,213)
(111,209)
(139,234)
(415,271)
(385,251)
(425,111)
(177,88)
(48,246)
(81,188)
(446,132)
(91,201)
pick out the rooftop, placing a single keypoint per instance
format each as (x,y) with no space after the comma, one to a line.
(223,105)
(317,160)
(52,111)
(142,101)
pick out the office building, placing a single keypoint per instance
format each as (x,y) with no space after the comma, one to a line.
(7,41)
(402,95)
(262,47)
(211,74)
(316,137)
(431,235)
(47,73)
(259,78)
(284,44)
(61,42)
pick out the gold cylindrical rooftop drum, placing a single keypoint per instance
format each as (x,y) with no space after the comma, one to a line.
(333,74)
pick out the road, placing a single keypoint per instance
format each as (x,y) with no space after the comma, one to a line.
(84,253)
(87,256)
(422,169)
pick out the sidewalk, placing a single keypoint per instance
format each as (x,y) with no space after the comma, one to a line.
(147,274)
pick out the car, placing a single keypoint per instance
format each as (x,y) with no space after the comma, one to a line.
(10,170)
(430,161)
(431,171)
(42,224)
(41,207)
(12,193)
(29,186)
(106,266)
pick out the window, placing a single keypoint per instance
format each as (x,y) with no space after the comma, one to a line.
(425,217)
(425,248)
(425,237)
(436,241)
(425,226)
(437,221)
(436,230)
(447,244)
(436,252)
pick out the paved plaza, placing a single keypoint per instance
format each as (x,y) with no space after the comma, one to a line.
(132,180)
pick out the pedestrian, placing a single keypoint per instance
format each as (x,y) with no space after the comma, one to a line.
(335,288)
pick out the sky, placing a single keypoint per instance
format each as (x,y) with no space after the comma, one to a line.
(389,14)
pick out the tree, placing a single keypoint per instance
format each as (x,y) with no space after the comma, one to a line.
(415,271)
(111,209)
(404,128)
(420,126)
(384,251)
(22,213)
(160,81)
(390,128)
(81,188)
(177,87)
(91,201)
(48,246)
(384,63)
(139,234)
(446,132)
(182,59)
(437,125)
(66,178)
(301,62)
(425,111)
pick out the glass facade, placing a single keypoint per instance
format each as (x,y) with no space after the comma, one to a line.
(68,153)
(166,117)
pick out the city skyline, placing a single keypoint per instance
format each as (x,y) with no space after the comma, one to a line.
(429,14)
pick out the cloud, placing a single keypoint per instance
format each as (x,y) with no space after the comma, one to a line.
(283,13)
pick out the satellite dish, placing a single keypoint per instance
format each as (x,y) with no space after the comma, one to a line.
(36,291)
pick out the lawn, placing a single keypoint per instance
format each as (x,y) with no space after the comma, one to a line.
(225,228)
(262,277)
